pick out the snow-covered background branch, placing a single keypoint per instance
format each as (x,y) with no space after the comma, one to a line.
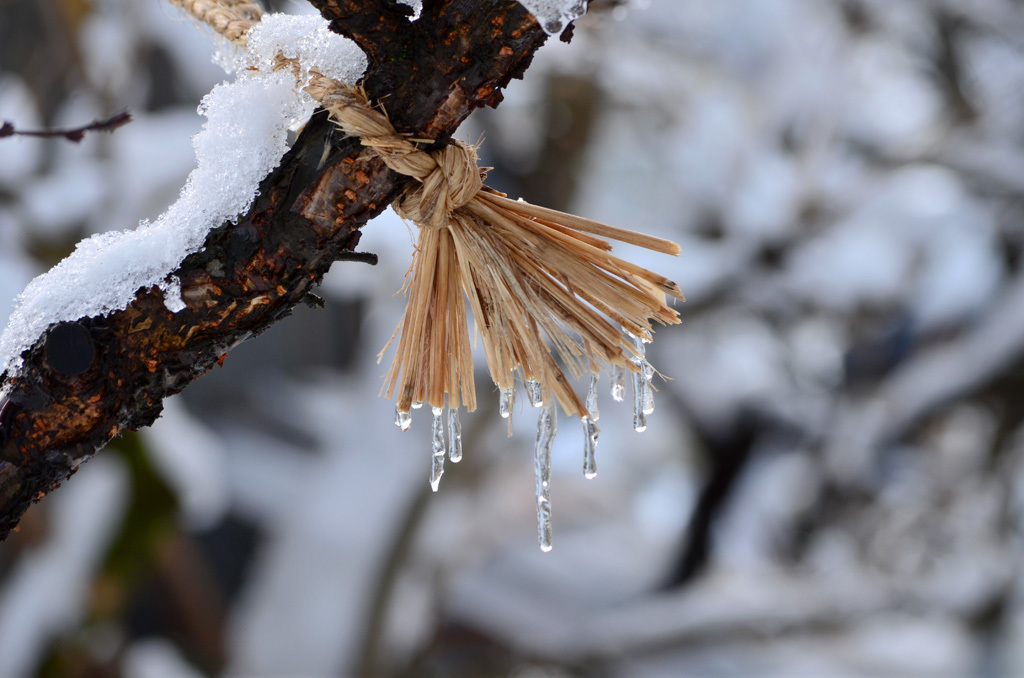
(832,482)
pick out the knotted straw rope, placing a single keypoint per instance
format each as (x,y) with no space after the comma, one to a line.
(230,18)
(448,179)
(535,278)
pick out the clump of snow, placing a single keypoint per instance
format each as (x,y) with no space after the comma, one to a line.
(308,39)
(417,7)
(244,138)
(554,15)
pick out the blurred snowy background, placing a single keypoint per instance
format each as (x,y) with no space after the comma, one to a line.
(833,480)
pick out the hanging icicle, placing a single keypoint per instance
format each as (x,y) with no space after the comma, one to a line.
(533,390)
(547,426)
(437,450)
(508,396)
(591,403)
(618,377)
(403,420)
(508,402)
(647,400)
(590,431)
(643,390)
(454,436)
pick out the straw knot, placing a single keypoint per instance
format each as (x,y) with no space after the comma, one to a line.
(446,179)
(452,182)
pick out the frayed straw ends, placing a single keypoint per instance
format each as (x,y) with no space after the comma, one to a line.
(534,284)
(536,279)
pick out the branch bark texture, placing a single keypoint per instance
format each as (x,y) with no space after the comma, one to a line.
(83,383)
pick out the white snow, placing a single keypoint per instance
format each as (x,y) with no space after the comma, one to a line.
(308,39)
(554,15)
(244,138)
(417,7)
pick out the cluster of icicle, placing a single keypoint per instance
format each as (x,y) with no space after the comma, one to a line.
(546,293)
(547,427)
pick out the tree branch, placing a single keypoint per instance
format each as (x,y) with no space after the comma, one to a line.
(84,382)
(74,134)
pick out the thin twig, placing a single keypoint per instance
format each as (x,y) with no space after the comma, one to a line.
(74,134)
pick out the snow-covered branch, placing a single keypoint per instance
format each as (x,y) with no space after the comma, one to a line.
(104,368)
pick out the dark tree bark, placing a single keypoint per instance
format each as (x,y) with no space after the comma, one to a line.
(85,382)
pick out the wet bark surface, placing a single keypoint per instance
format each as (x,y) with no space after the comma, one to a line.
(83,383)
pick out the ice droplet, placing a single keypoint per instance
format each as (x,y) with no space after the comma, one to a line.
(618,377)
(508,401)
(591,403)
(437,450)
(590,433)
(417,405)
(535,392)
(454,436)
(553,27)
(508,398)
(547,426)
(403,420)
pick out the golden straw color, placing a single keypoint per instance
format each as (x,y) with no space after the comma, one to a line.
(230,18)
(542,284)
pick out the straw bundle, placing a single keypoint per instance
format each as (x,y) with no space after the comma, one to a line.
(541,284)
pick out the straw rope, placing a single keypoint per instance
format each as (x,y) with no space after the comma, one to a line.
(537,280)
(230,18)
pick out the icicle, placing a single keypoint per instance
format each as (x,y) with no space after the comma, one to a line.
(639,411)
(590,430)
(591,403)
(547,426)
(590,433)
(508,401)
(648,394)
(535,392)
(618,376)
(437,451)
(417,405)
(507,406)
(642,389)
(403,420)
(508,397)
(639,417)
(454,436)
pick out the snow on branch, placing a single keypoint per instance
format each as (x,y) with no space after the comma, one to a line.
(243,139)
(86,379)
(554,15)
